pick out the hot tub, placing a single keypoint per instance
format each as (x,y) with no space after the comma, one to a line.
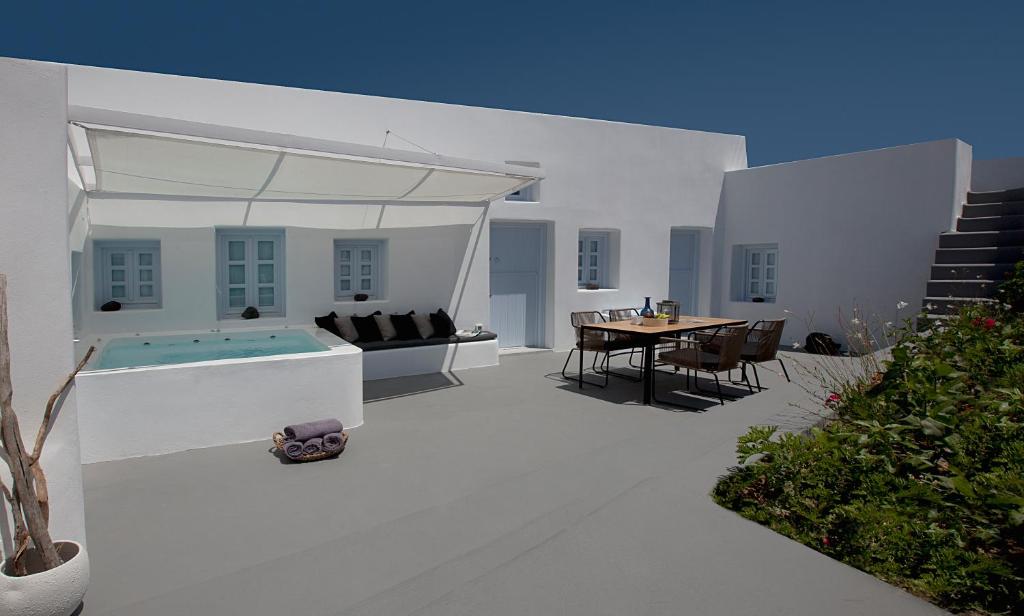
(154,394)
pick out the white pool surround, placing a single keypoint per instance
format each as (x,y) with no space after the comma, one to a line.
(152,410)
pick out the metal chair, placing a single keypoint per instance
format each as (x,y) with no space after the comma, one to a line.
(710,353)
(627,314)
(596,342)
(761,345)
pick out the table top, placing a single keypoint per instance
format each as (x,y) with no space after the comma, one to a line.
(685,324)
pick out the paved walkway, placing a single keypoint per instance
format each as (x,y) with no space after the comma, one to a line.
(502,491)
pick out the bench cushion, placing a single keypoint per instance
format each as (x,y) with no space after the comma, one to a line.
(395,343)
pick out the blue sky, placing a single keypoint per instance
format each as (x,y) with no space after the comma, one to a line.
(799,79)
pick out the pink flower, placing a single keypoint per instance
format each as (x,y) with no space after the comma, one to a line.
(832,400)
(989,323)
(825,541)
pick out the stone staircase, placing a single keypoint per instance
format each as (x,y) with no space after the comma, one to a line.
(971,261)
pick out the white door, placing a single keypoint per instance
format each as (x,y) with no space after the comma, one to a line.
(517,284)
(683,262)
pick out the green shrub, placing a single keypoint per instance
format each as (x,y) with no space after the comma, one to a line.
(919,477)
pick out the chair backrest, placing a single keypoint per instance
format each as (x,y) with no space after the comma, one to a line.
(587,317)
(623,314)
(729,343)
(763,340)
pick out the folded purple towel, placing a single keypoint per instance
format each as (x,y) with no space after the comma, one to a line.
(293,449)
(333,442)
(312,429)
(313,445)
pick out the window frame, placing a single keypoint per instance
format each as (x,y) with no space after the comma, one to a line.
(251,284)
(132,268)
(584,252)
(377,263)
(763,253)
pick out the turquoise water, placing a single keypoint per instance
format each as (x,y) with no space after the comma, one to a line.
(164,350)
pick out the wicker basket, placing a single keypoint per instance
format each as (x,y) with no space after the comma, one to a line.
(313,457)
(652,322)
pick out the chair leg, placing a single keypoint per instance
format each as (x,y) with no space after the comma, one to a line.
(654,393)
(718,384)
(571,351)
(747,381)
(566,365)
(784,370)
(757,377)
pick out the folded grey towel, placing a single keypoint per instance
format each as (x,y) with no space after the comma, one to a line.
(293,450)
(333,442)
(313,445)
(312,429)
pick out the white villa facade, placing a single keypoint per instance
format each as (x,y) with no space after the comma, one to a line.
(581,215)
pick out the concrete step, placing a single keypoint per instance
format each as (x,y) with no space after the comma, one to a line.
(1003,254)
(979,287)
(970,271)
(949,305)
(981,239)
(996,196)
(991,223)
(1008,208)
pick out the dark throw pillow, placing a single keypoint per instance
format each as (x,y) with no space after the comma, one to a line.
(367,328)
(327,323)
(111,306)
(444,327)
(405,327)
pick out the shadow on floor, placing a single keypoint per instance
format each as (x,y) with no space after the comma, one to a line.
(670,386)
(400,387)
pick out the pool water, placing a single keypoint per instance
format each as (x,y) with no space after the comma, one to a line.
(141,351)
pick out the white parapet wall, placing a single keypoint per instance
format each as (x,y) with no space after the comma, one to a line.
(855,230)
(133,412)
(997,174)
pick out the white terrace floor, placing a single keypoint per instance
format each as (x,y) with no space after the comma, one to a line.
(508,492)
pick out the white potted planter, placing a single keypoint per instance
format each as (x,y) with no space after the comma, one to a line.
(56,592)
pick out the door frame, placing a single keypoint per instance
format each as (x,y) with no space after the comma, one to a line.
(543,272)
(696,233)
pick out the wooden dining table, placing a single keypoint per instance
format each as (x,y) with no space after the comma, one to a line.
(647,336)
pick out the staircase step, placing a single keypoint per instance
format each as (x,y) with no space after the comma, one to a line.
(996,196)
(1002,254)
(991,223)
(949,305)
(978,287)
(970,271)
(981,239)
(1006,208)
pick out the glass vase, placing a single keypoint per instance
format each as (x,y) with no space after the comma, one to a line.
(647,311)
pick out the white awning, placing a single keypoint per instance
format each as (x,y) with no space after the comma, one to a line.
(143,158)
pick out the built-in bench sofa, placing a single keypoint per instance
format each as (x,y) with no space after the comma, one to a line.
(405,357)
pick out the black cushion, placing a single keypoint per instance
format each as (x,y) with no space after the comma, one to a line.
(367,328)
(443,324)
(405,327)
(327,323)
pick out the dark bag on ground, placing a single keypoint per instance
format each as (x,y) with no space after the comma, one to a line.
(821,344)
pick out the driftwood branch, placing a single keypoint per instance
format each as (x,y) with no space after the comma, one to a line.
(44,428)
(18,459)
(20,532)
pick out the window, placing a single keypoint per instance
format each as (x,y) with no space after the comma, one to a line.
(128,272)
(527,194)
(250,272)
(357,268)
(761,272)
(592,260)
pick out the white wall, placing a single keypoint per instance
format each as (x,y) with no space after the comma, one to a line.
(853,230)
(421,274)
(997,174)
(641,180)
(34,255)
